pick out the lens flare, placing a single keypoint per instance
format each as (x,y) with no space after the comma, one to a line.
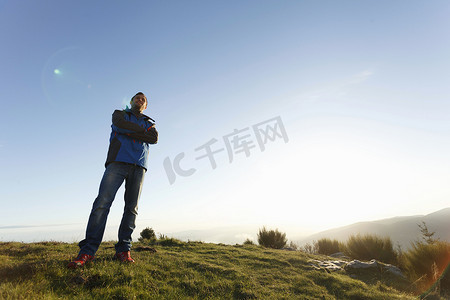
(67,72)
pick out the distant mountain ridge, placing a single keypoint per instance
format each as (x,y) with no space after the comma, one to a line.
(402,230)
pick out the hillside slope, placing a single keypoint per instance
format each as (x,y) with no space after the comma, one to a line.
(401,230)
(179,270)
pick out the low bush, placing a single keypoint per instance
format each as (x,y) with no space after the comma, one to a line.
(308,248)
(248,242)
(170,242)
(327,246)
(293,246)
(148,234)
(369,247)
(425,262)
(271,238)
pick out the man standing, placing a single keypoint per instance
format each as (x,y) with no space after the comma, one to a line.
(132,132)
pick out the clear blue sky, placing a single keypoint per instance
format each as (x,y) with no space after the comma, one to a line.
(362,89)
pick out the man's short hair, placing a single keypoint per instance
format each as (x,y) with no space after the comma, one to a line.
(139,93)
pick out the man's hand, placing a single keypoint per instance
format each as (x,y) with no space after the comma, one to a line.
(150,136)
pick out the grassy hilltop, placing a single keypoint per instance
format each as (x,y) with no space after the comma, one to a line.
(179,270)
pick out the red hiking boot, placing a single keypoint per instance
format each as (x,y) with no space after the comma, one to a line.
(124,256)
(80,261)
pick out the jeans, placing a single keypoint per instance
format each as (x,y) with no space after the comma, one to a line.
(113,178)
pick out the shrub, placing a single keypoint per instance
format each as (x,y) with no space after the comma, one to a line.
(307,248)
(169,242)
(271,238)
(369,247)
(293,246)
(248,242)
(326,246)
(425,262)
(427,236)
(148,234)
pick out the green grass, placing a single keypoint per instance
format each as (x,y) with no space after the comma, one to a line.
(177,270)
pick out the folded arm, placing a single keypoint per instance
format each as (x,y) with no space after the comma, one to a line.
(150,136)
(121,125)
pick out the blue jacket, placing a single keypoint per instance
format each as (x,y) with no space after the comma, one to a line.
(130,138)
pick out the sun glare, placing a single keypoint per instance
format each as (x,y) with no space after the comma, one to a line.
(323,185)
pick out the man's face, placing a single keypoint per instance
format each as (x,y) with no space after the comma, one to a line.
(139,102)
